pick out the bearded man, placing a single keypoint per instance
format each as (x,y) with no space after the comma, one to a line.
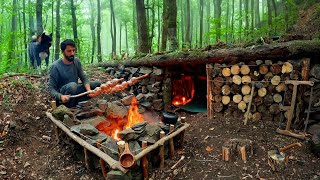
(64,75)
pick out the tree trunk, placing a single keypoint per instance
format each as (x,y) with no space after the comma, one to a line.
(269,18)
(120,37)
(142,27)
(152,24)
(208,22)
(31,19)
(127,46)
(232,22)
(165,18)
(52,28)
(246,9)
(252,18)
(257,15)
(159,27)
(74,26)
(99,31)
(172,25)
(113,29)
(217,16)
(12,40)
(58,25)
(39,17)
(201,23)
(182,24)
(24,32)
(134,27)
(240,22)
(188,39)
(227,22)
(93,34)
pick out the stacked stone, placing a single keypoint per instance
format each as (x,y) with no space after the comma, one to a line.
(148,91)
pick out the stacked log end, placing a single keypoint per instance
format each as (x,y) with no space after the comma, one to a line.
(232,87)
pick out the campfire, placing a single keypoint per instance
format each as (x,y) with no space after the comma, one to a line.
(117,125)
(183,90)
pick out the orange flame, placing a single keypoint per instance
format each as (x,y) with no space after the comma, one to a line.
(134,117)
(115,134)
(183,90)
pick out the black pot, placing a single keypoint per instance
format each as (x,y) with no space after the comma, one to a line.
(169,117)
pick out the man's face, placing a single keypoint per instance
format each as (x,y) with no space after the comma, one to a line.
(69,52)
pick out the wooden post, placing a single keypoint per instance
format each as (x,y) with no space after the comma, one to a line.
(53,105)
(209,91)
(171,144)
(102,163)
(183,120)
(55,128)
(86,159)
(225,154)
(249,106)
(243,153)
(145,162)
(121,145)
(161,151)
(305,71)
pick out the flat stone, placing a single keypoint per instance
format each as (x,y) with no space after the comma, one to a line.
(128,134)
(70,121)
(94,121)
(158,104)
(85,103)
(102,104)
(127,100)
(85,129)
(93,139)
(141,109)
(115,110)
(139,96)
(146,104)
(145,70)
(90,113)
(144,82)
(110,147)
(150,96)
(157,71)
(135,148)
(153,88)
(152,134)
(133,70)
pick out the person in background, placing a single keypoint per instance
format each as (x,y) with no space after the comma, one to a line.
(64,75)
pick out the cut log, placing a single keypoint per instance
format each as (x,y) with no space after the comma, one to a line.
(255,75)
(235,89)
(274,109)
(256,116)
(216,90)
(225,153)
(217,106)
(226,72)
(242,106)
(281,87)
(258,100)
(246,98)
(268,99)
(246,79)
(225,100)
(262,108)
(275,69)
(217,98)
(245,70)
(270,88)
(295,75)
(228,80)
(263,69)
(287,68)
(275,80)
(235,69)
(237,98)
(262,92)
(218,81)
(232,106)
(236,79)
(246,89)
(277,98)
(226,90)
(268,76)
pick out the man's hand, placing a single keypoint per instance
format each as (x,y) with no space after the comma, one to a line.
(65,98)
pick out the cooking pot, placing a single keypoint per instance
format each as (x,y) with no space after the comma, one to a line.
(169,117)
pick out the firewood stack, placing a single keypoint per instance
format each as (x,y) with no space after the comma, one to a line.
(231,89)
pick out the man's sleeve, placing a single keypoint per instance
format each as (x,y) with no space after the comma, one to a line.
(53,83)
(82,76)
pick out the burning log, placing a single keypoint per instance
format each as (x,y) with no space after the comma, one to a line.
(111,86)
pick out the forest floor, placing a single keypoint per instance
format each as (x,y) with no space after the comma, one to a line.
(28,150)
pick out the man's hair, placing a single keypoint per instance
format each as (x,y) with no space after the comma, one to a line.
(67,42)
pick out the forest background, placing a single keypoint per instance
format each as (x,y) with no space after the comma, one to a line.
(115,30)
